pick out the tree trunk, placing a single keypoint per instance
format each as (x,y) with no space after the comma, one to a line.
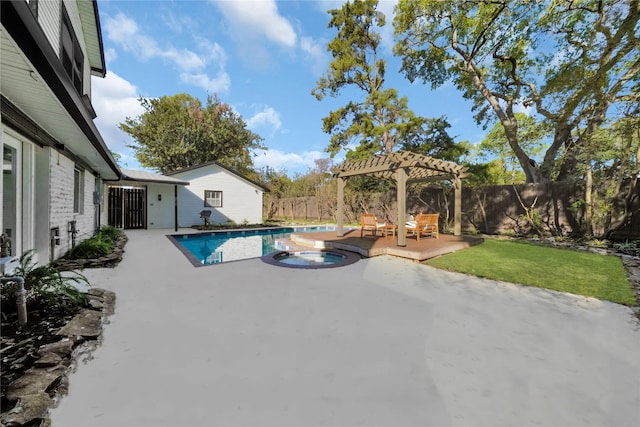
(588,200)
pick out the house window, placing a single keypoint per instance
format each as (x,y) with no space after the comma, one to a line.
(212,199)
(78,191)
(70,53)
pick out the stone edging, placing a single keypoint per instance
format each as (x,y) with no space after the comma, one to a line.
(43,384)
(110,260)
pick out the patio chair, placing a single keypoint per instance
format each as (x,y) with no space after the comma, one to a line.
(369,222)
(424,224)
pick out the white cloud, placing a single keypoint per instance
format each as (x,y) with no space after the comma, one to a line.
(115,99)
(256,27)
(124,31)
(268,120)
(256,19)
(221,83)
(176,24)
(316,54)
(212,51)
(290,162)
(110,55)
(184,59)
(386,32)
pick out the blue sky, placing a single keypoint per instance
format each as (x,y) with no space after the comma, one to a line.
(262,57)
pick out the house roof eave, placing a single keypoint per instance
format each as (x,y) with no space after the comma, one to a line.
(23,29)
(228,169)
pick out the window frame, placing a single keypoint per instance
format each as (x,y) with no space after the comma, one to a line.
(73,61)
(212,193)
(78,190)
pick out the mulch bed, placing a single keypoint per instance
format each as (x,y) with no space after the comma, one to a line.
(19,346)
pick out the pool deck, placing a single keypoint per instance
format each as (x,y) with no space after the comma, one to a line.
(368,246)
(385,341)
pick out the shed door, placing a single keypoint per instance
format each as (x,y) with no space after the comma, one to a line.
(127,207)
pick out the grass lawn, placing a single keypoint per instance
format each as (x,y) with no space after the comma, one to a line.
(564,270)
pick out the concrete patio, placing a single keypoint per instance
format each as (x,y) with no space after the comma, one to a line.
(384,342)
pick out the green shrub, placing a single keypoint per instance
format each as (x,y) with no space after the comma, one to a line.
(45,287)
(94,247)
(109,232)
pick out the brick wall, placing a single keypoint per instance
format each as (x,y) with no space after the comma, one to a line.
(61,203)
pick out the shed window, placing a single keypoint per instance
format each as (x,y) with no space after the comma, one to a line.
(212,199)
(71,53)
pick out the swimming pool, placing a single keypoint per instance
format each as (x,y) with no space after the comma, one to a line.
(223,246)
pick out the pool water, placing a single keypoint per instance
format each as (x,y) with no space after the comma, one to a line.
(310,258)
(223,246)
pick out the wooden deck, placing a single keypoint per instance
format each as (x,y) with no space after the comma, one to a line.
(368,246)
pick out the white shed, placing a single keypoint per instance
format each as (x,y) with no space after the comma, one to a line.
(229,196)
(142,199)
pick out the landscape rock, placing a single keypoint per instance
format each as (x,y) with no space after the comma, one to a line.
(34,381)
(41,385)
(61,348)
(48,360)
(87,323)
(28,409)
(110,260)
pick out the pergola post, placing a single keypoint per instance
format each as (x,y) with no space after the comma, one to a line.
(401,188)
(341,184)
(457,206)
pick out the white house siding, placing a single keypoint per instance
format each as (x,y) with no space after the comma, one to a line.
(241,200)
(160,213)
(49,19)
(61,203)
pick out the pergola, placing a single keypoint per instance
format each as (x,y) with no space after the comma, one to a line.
(404,167)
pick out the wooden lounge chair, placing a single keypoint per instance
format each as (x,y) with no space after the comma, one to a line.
(423,224)
(369,222)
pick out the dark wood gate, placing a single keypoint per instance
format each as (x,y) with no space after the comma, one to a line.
(127,207)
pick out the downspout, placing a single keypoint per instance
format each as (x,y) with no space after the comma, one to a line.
(175,206)
(21,299)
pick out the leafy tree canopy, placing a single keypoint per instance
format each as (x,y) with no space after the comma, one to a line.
(177,132)
(571,61)
(432,139)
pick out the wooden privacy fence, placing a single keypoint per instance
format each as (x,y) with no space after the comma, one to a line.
(556,208)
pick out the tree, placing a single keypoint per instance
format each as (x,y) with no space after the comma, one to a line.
(610,167)
(379,120)
(496,145)
(432,139)
(570,60)
(177,132)
(118,158)
(278,184)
